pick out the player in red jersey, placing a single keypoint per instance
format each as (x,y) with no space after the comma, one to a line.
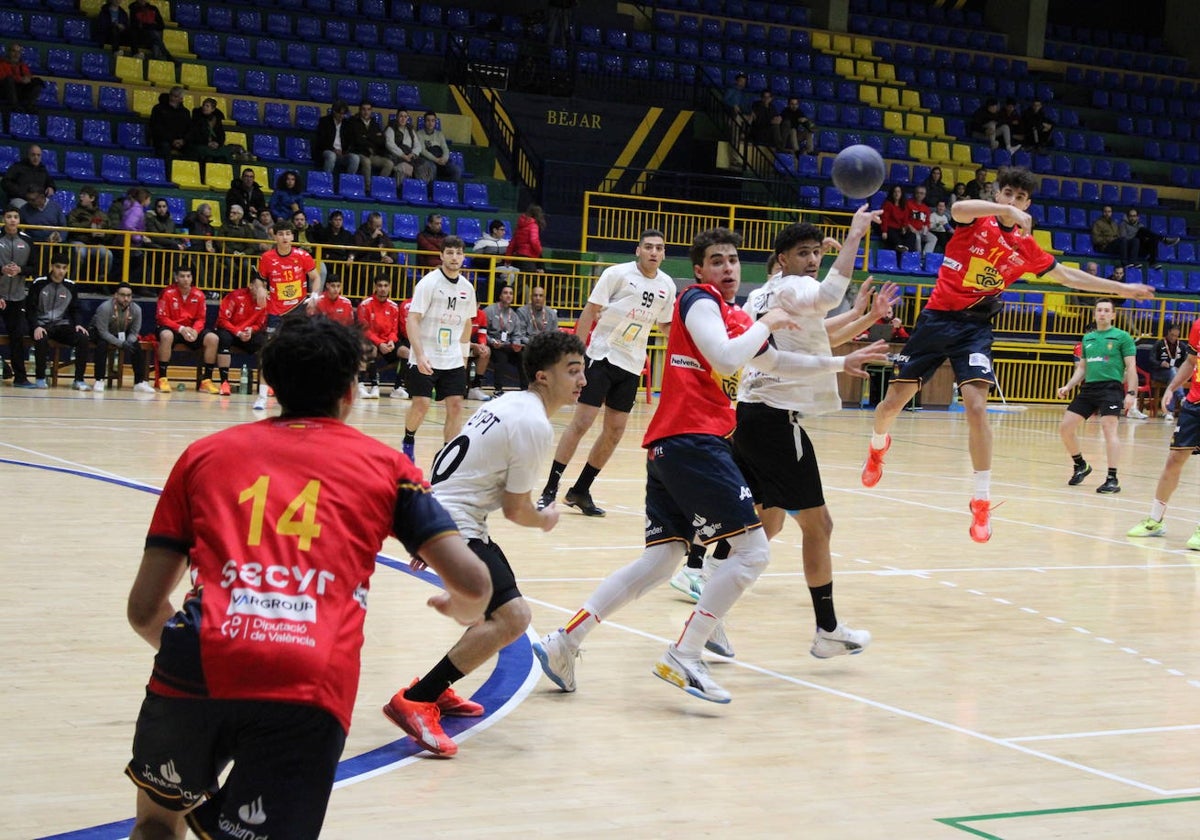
(180,315)
(290,273)
(481,355)
(241,323)
(991,249)
(260,666)
(332,304)
(379,316)
(693,487)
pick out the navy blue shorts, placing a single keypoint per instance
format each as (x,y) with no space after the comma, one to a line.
(963,339)
(777,458)
(1187,426)
(694,489)
(610,386)
(1104,398)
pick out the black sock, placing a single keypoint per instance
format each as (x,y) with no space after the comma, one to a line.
(721,552)
(1078,459)
(1112,473)
(162,369)
(208,369)
(695,558)
(584,483)
(430,687)
(224,374)
(556,471)
(410,437)
(477,381)
(822,598)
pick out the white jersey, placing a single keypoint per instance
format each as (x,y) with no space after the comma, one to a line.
(445,307)
(808,301)
(502,448)
(633,304)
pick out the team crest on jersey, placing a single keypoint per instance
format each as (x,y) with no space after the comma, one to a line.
(728,383)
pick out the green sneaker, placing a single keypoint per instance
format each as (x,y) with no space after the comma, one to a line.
(1153,528)
(1194,540)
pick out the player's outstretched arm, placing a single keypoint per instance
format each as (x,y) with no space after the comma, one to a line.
(842,328)
(860,226)
(970,209)
(519,510)
(468,585)
(1074,278)
(149,605)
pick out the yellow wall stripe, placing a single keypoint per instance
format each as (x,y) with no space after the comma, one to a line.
(664,147)
(635,142)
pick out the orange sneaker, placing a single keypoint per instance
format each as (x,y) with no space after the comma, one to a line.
(873,470)
(981,520)
(163,385)
(225,389)
(207,386)
(451,705)
(422,722)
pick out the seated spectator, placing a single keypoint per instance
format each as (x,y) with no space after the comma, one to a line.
(1118,274)
(199,225)
(335,239)
(159,225)
(941,225)
(19,88)
(288,196)
(241,325)
(935,189)
(170,126)
(364,136)
(494,241)
(986,124)
(180,318)
(404,147)
(1106,234)
(86,220)
(303,236)
(797,131)
(246,192)
(1010,115)
(331,151)
(370,234)
(1169,354)
(112,27)
(976,188)
(39,213)
(115,328)
(1037,126)
(27,173)
(536,317)
(1138,243)
(959,193)
(54,315)
(527,239)
(766,125)
(146,28)
(897,332)
(206,136)
(430,239)
(379,317)
(129,213)
(737,99)
(894,222)
(237,243)
(264,229)
(435,148)
(506,339)
(918,221)
(333,304)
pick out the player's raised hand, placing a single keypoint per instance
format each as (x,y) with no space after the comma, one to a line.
(778,319)
(1138,291)
(1019,218)
(864,217)
(873,354)
(887,297)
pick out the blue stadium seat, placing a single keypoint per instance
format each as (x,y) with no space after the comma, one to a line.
(131,136)
(348,90)
(468,229)
(25,126)
(287,85)
(320,184)
(307,117)
(413,191)
(116,169)
(383,190)
(270,52)
(79,166)
(884,260)
(244,112)
(405,226)
(357,62)
(298,55)
(62,130)
(228,80)
(475,196)
(1070,189)
(1056,216)
(319,88)
(352,187)
(237,49)
(299,150)
(279,25)
(267,147)
(152,172)
(96,133)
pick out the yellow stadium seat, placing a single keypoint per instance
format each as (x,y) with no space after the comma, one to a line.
(218,176)
(964,176)
(844,67)
(889,97)
(144,100)
(130,69)
(893,121)
(261,177)
(914,123)
(868,94)
(222,102)
(186,173)
(961,153)
(936,126)
(1042,238)
(910,99)
(820,41)
(885,72)
(213,204)
(176,40)
(918,149)
(864,47)
(864,70)
(843,44)
(91,8)
(160,73)
(236,138)
(939,151)
(194,76)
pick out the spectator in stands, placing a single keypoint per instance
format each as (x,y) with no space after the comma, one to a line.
(246,192)
(894,224)
(494,240)
(54,315)
(959,193)
(335,239)
(170,125)
(115,327)
(129,213)
(986,124)
(364,136)
(404,146)
(536,316)
(19,88)
(16,267)
(146,28)
(527,240)
(1010,115)
(241,325)
(331,151)
(180,318)
(766,126)
(27,172)
(1169,353)
(431,239)
(206,137)
(199,224)
(435,148)
(918,221)
(370,234)
(797,131)
(940,225)
(737,99)
(1037,126)
(39,213)
(978,187)
(112,27)
(1106,235)
(85,221)
(264,229)
(159,223)
(379,317)
(1139,243)
(303,237)
(243,255)
(1118,274)
(506,339)
(288,197)
(935,188)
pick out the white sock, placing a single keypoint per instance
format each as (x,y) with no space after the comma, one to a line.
(1158,510)
(262,389)
(983,484)
(878,441)
(695,633)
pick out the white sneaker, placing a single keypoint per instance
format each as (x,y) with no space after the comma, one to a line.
(689,582)
(557,659)
(841,640)
(1135,414)
(374,393)
(691,675)
(260,404)
(364,393)
(718,642)
(477,394)
(399,393)
(1169,417)
(144,388)
(99,386)
(80,385)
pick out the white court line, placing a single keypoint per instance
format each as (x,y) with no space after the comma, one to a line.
(75,465)
(1104,733)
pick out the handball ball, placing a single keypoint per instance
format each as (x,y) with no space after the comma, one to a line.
(858,171)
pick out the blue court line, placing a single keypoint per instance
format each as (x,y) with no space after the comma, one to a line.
(512,669)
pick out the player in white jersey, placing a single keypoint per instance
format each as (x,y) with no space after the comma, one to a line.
(492,466)
(625,304)
(439,327)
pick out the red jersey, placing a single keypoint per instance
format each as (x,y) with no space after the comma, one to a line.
(240,311)
(404,307)
(176,311)
(287,278)
(380,320)
(894,217)
(282,544)
(479,327)
(1193,394)
(982,259)
(918,215)
(340,310)
(695,398)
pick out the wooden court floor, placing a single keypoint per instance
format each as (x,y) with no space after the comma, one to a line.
(1046,684)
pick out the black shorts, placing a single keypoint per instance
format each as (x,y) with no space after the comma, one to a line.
(964,339)
(443,383)
(284,756)
(227,341)
(694,490)
(776,456)
(610,386)
(179,341)
(1187,426)
(1104,398)
(504,582)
